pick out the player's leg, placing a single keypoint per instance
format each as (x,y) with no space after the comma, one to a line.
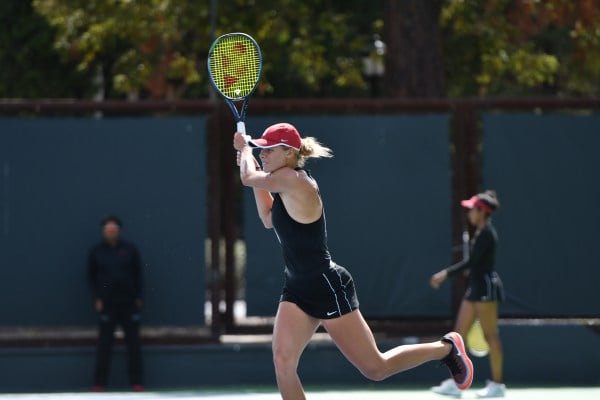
(130,321)
(487,311)
(465,318)
(355,340)
(292,331)
(106,331)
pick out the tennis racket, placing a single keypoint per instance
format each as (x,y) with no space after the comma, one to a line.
(234,68)
(476,343)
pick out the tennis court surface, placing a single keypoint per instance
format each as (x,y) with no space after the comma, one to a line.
(520,393)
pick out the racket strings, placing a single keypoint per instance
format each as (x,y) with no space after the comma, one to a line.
(235,66)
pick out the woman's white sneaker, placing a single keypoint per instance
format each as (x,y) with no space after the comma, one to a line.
(492,389)
(447,388)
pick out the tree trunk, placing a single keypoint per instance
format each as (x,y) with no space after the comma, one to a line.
(414,65)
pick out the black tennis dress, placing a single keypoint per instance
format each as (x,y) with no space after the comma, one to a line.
(484,282)
(313,282)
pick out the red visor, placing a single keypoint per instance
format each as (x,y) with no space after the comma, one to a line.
(476,202)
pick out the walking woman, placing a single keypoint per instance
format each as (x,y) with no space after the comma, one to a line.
(484,290)
(316,290)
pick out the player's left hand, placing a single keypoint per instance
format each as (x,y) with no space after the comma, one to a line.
(437,278)
(240,141)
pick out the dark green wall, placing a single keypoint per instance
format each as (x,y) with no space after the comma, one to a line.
(60,176)
(546,169)
(387,198)
(388,203)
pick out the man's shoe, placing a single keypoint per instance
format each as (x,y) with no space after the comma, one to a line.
(492,389)
(447,388)
(458,362)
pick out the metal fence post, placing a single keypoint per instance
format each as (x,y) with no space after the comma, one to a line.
(466,176)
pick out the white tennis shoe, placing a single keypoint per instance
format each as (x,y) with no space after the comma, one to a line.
(447,388)
(492,389)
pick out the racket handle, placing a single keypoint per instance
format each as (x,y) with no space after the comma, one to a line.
(241,127)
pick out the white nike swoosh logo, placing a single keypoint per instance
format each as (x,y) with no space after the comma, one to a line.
(329,314)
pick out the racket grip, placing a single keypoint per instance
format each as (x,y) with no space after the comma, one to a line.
(241,127)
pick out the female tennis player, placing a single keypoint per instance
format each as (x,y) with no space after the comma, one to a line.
(484,290)
(317,291)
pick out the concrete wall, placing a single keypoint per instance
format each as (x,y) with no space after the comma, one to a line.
(542,355)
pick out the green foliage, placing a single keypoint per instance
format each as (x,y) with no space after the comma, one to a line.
(29,68)
(311,48)
(582,76)
(503,47)
(159,47)
(483,54)
(140,45)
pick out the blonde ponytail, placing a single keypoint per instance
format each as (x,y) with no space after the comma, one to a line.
(311,148)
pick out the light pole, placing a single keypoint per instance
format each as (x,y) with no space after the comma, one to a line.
(373,61)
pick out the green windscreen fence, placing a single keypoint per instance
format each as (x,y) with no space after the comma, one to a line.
(387,197)
(546,169)
(60,176)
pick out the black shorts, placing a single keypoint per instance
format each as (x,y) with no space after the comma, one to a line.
(487,287)
(325,296)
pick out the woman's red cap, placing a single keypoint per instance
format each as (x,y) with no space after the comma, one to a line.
(281,134)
